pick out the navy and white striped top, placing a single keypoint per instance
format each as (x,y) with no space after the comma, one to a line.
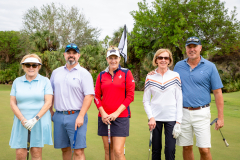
(162,97)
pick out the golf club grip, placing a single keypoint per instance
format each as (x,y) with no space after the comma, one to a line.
(225,141)
(150,143)
(28,144)
(74,139)
(150,139)
(109,134)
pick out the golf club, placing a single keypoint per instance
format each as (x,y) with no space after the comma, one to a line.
(150,143)
(109,141)
(28,143)
(224,140)
(74,141)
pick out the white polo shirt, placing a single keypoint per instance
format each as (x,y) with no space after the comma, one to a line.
(70,87)
(166,103)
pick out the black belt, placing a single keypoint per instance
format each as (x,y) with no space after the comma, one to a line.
(68,112)
(197,108)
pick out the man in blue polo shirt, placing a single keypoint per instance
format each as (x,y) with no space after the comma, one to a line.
(199,77)
(73,93)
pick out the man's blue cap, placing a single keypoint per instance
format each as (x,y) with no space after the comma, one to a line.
(72,46)
(193,40)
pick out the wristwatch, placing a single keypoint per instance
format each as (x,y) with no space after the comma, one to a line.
(37,117)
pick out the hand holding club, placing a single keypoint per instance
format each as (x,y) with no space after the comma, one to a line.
(30,123)
(79,121)
(24,121)
(219,124)
(152,123)
(114,116)
(216,120)
(105,118)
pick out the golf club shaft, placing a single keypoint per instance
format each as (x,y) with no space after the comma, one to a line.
(28,143)
(109,141)
(224,140)
(150,143)
(74,141)
(149,153)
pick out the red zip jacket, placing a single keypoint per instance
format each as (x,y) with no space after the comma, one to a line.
(112,91)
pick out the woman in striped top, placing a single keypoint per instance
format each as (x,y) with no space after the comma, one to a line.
(162,102)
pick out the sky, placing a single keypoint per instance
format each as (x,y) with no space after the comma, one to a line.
(107,15)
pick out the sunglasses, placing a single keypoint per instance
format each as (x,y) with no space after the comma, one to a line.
(72,46)
(193,40)
(29,65)
(161,58)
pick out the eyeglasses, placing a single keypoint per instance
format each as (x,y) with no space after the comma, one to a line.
(72,46)
(29,65)
(161,58)
(193,40)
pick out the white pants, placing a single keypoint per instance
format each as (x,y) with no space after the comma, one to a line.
(195,122)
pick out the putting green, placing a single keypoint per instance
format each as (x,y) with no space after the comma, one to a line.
(137,142)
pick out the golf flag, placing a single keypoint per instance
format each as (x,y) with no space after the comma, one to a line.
(123,44)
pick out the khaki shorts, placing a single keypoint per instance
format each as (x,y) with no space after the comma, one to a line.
(195,122)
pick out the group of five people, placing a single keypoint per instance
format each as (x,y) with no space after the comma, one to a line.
(176,100)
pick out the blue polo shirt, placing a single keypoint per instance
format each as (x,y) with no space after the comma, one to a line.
(197,83)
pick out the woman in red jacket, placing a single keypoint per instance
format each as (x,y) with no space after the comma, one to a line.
(114,91)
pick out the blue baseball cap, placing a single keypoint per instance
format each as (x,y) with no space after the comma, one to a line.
(193,40)
(72,46)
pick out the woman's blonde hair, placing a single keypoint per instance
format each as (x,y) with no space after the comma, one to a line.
(28,56)
(160,51)
(112,47)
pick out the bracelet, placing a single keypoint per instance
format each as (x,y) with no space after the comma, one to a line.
(22,119)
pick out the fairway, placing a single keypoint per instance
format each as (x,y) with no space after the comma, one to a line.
(137,142)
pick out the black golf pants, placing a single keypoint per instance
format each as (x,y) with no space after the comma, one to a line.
(169,141)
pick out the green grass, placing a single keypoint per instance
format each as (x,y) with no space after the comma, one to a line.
(137,142)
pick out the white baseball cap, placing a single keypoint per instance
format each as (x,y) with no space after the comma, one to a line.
(31,60)
(113,52)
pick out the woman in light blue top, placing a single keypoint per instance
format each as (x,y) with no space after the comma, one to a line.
(31,98)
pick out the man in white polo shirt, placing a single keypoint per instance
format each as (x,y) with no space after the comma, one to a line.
(73,93)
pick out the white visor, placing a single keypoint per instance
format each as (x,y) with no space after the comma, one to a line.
(31,60)
(113,52)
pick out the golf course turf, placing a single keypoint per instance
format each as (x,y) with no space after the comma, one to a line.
(137,142)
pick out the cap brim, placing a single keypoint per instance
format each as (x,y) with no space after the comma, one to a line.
(192,43)
(71,48)
(113,54)
(31,62)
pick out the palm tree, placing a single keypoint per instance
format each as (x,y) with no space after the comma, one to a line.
(44,41)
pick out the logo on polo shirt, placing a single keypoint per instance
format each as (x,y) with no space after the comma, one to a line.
(120,76)
(201,72)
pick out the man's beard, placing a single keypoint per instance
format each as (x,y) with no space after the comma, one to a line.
(71,62)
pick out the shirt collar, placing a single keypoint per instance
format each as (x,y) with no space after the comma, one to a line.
(164,73)
(107,69)
(77,67)
(201,61)
(25,79)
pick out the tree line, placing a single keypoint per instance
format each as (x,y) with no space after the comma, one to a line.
(161,24)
